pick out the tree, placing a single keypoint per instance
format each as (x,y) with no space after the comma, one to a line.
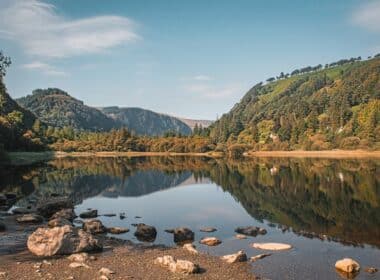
(5,62)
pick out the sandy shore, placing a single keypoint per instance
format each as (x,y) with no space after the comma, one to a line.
(126,261)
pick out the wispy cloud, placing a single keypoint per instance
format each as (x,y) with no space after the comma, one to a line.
(368,16)
(42,32)
(44,68)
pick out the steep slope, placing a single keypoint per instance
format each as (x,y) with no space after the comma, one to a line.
(146,122)
(15,124)
(58,109)
(337,107)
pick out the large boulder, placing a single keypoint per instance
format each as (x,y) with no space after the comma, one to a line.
(182,234)
(61,241)
(30,218)
(145,232)
(347,265)
(94,226)
(67,214)
(49,207)
(250,230)
(89,214)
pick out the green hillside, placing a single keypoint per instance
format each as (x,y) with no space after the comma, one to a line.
(334,107)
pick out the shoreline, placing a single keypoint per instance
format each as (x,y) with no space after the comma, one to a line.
(27,158)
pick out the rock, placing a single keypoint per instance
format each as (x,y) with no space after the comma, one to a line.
(272,246)
(48,208)
(210,241)
(77,221)
(371,270)
(58,222)
(89,214)
(250,230)
(177,266)
(67,214)
(240,256)
(259,257)
(208,229)
(79,257)
(21,210)
(138,217)
(2,226)
(117,230)
(3,199)
(347,265)
(182,234)
(61,241)
(106,271)
(46,262)
(3,274)
(145,232)
(94,226)
(240,236)
(30,218)
(191,248)
(109,215)
(78,264)
(122,216)
(103,277)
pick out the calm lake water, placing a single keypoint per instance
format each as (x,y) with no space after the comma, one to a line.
(326,209)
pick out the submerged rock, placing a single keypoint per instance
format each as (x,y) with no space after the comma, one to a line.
(371,270)
(48,208)
(240,256)
(181,234)
(61,241)
(145,232)
(347,265)
(117,230)
(177,266)
(109,215)
(272,246)
(210,241)
(259,257)
(94,226)
(122,216)
(207,229)
(89,214)
(250,230)
(30,218)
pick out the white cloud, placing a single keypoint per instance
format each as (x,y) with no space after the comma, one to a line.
(42,32)
(44,68)
(368,16)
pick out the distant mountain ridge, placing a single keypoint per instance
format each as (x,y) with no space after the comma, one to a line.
(192,122)
(146,122)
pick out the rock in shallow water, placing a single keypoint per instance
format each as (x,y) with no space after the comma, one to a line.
(210,241)
(30,218)
(67,213)
(61,241)
(94,226)
(48,208)
(117,230)
(89,214)
(207,229)
(259,257)
(347,265)
(250,230)
(240,256)
(272,246)
(59,222)
(145,233)
(181,234)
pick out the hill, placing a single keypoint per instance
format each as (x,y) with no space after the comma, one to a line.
(200,123)
(57,108)
(146,122)
(312,108)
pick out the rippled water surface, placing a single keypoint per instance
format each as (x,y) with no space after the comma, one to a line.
(326,209)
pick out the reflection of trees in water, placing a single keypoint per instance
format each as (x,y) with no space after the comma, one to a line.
(340,198)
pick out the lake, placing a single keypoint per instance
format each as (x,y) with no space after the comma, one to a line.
(326,209)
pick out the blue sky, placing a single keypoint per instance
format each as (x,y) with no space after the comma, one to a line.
(187,58)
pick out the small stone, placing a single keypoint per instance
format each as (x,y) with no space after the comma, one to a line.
(94,226)
(122,216)
(210,241)
(138,217)
(109,215)
(347,265)
(371,270)
(272,246)
(103,277)
(80,257)
(67,213)
(30,218)
(208,229)
(191,248)
(89,214)
(78,264)
(240,256)
(177,266)
(58,222)
(145,232)
(240,236)
(37,265)
(258,257)
(46,262)
(3,274)
(93,258)
(181,234)
(117,230)
(106,271)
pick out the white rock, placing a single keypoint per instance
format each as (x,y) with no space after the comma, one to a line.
(347,265)
(272,246)
(80,257)
(177,266)
(240,256)
(210,241)
(106,271)
(240,236)
(103,277)
(78,264)
(191,248)
(258,257)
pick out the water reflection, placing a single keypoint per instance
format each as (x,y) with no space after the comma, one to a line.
(322,198)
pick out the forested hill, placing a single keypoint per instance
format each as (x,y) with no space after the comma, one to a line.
(146,122)
(336,106)
(58,109)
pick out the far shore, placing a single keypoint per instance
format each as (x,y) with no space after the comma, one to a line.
(25,158)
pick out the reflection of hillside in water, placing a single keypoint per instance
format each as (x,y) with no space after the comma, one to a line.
(340,198)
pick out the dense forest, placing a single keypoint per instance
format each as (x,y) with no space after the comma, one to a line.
(310,109)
